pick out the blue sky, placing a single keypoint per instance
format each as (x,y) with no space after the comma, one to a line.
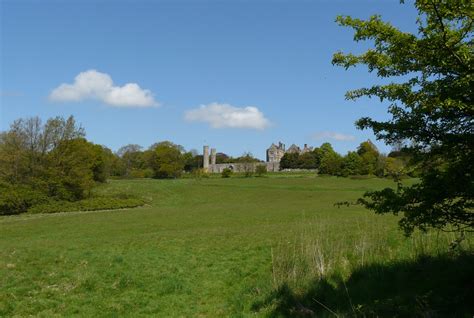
(234,74)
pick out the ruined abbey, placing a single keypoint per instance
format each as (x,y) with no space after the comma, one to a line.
(274,155)
(212,167)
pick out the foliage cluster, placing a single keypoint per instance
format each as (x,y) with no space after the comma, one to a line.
(161,160)
(51,167)
(365,161)
(261,170)
(246,157)
(89,204)
(54,161)
(166,160)
(226,173)
(430,96)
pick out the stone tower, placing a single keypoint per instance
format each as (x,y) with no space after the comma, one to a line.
(213,156)
(205,156)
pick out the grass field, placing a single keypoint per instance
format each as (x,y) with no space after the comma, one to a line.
(273,246)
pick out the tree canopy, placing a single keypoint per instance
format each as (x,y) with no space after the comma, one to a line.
(42,162)
(167,160)
(431,108)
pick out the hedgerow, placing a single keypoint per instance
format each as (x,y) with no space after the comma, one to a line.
(90,204)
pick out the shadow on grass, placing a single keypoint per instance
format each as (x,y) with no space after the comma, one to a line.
(429,287)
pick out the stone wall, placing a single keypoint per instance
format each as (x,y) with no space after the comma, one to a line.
(244,167)
(212,167)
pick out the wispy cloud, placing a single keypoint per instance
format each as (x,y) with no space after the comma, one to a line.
(10,94)
(92,84)
(228,116)
(331,135)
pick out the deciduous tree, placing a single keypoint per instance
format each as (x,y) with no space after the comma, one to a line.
(352,164)
(430,96)
(167,160)
(330,160)
(369,155)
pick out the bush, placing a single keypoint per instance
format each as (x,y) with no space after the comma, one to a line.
(200,173)
(260,170)
(141,173)
(248,173)
(248,169)
(17,199)
(226,173)
(91,204)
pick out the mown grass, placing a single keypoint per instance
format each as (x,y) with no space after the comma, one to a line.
(218,248)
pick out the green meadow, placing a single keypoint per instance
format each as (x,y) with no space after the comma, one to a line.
(238,247)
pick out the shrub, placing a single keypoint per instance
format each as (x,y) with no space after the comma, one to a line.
(226,173)
(91,204)
(260,170)
(200,173)
(248,174)
(248,169)
(17,199)
(141,173)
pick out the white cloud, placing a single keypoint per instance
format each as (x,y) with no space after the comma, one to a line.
(92,84)
(325,135)
(228,116)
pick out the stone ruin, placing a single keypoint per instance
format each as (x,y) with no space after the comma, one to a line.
(274,155)
(276,152)
(211,166)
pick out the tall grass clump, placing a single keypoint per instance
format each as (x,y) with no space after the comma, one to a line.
(321,271)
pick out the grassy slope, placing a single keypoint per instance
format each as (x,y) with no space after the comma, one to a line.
(203,247)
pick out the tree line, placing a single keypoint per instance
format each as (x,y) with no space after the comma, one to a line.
(366,160)
(46,163)
(43,164)
(163,160)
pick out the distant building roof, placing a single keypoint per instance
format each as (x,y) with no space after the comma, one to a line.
(294,149)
